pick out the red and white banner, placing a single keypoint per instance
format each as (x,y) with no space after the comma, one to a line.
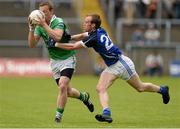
(25,67)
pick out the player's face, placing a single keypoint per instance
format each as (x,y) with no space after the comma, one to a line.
(87,25)
(47,12)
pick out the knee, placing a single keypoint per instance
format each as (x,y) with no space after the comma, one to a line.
(69,92)
(140,89)
(100,89)
(62,87)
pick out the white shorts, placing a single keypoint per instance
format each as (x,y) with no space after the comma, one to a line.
(124,68)
(58,65)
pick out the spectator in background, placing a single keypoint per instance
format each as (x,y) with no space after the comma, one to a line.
(19,4)
(130,8)
(154,64)
(152,9)
(141,6)
(167,7)
(118,8)
(138,36)
(152,35)
(176,6)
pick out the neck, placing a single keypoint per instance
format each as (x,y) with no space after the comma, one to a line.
(49,19)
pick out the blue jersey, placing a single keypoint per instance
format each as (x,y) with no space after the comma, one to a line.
(102,44)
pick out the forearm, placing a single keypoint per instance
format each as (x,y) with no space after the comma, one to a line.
(52,33)
(70,46)
(79,37)
(31,39)
(66,46)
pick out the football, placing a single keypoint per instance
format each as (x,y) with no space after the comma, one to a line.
(34,16)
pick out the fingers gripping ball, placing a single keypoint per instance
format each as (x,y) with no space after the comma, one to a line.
(35,15)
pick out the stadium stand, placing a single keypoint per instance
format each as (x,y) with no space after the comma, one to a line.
(14,30)
(121,25)
(125,16)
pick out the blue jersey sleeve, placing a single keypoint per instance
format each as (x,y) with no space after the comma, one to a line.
(91,40)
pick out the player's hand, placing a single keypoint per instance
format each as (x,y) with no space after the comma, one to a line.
(31,26)
(51,43)
(41,21)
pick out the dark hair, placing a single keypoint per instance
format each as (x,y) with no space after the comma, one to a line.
(96,20)
(48,3)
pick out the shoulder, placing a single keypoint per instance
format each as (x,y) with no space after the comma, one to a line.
(58,23)
(92,36)
(90,40)
(57,20)
(101,30)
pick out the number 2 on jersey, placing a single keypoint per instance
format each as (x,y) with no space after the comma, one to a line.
(105,39)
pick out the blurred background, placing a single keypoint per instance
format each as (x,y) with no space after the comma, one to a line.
(146,30)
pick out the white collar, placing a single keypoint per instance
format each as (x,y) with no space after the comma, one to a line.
(52,19)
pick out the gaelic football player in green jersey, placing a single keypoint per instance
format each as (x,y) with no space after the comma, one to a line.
(52,29)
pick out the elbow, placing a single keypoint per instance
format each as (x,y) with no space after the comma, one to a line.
(31,45)
(57,39)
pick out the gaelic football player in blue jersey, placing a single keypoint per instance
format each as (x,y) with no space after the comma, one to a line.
(118,65)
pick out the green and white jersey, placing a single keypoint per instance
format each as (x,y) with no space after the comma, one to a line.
(55,53)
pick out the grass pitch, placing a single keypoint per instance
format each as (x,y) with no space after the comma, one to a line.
(31,103)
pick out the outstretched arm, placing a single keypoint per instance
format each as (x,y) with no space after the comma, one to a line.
(70,46)
(79,37)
